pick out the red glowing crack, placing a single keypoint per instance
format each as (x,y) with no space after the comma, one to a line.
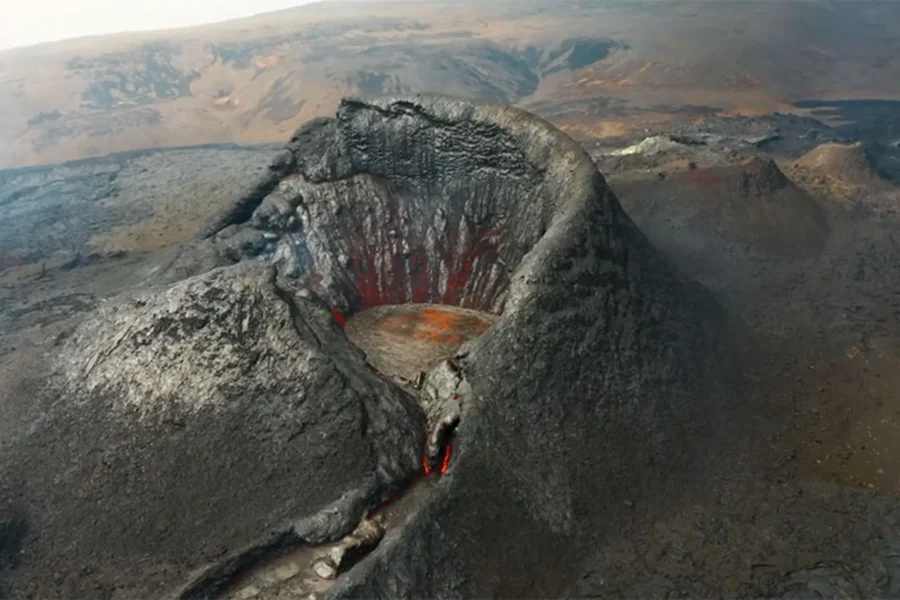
(445,461)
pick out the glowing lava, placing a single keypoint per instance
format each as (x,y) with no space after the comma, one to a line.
(445,461)
(339,317)
(434,324)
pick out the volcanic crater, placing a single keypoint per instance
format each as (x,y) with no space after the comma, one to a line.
(414,264)
(414,275)
(421,224)
(410,267)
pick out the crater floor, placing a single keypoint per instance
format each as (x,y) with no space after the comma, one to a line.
(403,340)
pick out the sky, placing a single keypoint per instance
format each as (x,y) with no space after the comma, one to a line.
(26,22)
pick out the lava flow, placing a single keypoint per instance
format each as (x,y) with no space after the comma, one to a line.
(445,462)
(425,472)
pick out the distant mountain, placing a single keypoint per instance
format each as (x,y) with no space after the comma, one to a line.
(750,204)
(597,69)
(852,164)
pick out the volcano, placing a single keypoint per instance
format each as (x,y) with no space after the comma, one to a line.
(850,164)
(411,274)
(751,205)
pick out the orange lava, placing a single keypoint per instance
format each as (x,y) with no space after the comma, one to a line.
(446,462)
(426,471)
(435,325)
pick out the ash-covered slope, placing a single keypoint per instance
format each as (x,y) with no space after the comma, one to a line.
(847,163)
(190,429)
(751,204)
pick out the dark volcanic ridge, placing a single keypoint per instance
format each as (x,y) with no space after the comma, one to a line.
(781,134)
(784,136)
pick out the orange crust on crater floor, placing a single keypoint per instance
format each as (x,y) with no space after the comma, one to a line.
(402,340)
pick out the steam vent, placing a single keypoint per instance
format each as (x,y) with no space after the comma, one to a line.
(428,355)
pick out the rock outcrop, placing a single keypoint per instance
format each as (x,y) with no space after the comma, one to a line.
(188,426)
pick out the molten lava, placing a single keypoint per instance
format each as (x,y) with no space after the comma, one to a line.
(425,472)
(446,462)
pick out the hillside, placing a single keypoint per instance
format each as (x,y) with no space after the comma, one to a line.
(597,69)
(850,164)
(751,204)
